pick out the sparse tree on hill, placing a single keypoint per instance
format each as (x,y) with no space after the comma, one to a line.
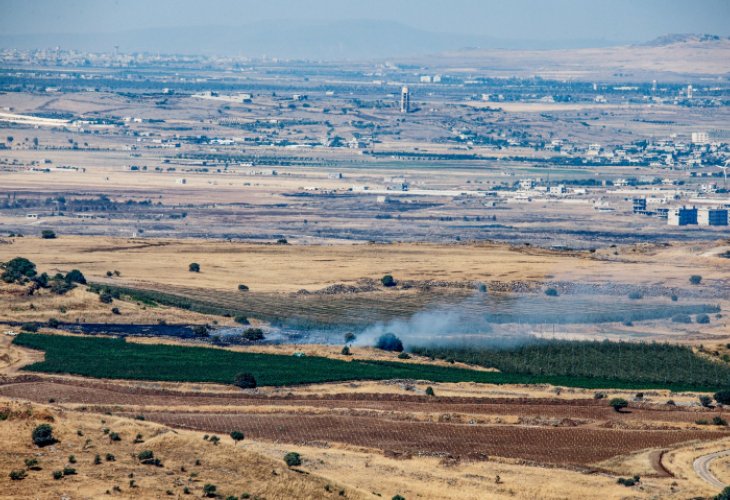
(618,404)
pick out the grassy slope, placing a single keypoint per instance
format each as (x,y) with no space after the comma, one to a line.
(113,358)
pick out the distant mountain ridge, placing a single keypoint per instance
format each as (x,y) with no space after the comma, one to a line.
(675,38)
(350,40)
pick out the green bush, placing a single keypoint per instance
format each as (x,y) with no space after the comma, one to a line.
(194,267)
(404,355)
(17,475)
(253,334)
(722,397)
(682,318)
(75,276)
(209,490)
(242,288)
(345,351)
(551,292)
(388,280)
(43,435)
(18,270)
(618,404)
(695,279)
(237,436)
(429,391)
(702,319)
(292,459)
(705,401)
(57,474)
(47,234)
(245,381)
(29,327)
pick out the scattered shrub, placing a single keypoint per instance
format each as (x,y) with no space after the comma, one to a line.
(722,397)
(702,319)
(695,279)
(75,276)
(114,436)
(18,270)
(53,323)
(43,435)
(29,327)
(106,298)
(116,311)
(57,474)
(681,318)
(718,420)
(253,334)
(404,355)
(32,464)
(389,342)
(242,288)
(705,401)
(551,292)
(47,234)
(194,267)
(429,391)
(110,458)
(618,404)
(243,320)
(388,280)
(17,475)
(69,471)
(346,351)
(293,459)
(282,241)
(628,482)
(209,490)
(237,436)
(636,295)
(245,381)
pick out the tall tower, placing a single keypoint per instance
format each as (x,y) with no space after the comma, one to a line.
(405,100)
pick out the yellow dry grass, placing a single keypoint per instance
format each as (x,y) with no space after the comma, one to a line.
(233,469)
(286,268)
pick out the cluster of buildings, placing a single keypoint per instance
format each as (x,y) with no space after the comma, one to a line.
(685,216)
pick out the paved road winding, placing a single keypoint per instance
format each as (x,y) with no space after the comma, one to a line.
(702,467)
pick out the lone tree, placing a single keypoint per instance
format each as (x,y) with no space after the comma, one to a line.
(695,279)
(43,435)
(388,280)
(618,404)
(389,342)
(237,436)
(245,381)
(293,459)
(194,267)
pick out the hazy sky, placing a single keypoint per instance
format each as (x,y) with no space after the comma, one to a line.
(615,20)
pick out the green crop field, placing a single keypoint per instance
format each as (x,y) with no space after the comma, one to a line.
(635,362)
(115,358)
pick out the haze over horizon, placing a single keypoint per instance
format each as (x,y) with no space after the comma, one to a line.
(324,29)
